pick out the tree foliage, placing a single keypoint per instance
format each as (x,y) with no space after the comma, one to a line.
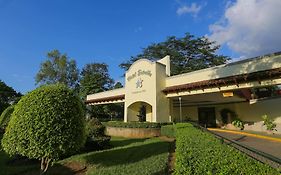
(7,96)
(46,124)
(115,110)
(187,54)
(94,78)
(58,68)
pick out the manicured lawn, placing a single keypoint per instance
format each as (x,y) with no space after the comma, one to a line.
(128,156)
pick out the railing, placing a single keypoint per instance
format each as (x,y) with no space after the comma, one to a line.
(254,153)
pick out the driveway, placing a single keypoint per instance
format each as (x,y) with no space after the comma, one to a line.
(267,146)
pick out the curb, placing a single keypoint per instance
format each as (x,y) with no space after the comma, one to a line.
(246,134)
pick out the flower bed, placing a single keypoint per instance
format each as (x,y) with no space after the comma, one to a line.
(198,152)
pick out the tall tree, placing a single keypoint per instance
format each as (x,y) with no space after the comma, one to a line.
(115,110)
(94,78)
(7,96)
(187,54)
(58,68)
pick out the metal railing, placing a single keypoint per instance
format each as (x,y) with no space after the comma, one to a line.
(253,153)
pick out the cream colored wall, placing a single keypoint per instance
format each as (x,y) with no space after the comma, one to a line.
(253,112)
(109,93)
(162,102)
(226,70)
(246,112)
(187,113)
(146,93)
(150,92)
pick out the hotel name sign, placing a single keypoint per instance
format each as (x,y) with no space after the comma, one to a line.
(139,73)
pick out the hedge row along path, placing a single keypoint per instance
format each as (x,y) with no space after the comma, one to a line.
(199,152)
(272,148)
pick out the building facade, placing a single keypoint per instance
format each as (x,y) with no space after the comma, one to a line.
(246,89)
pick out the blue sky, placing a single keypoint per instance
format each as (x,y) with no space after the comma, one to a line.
(112,31)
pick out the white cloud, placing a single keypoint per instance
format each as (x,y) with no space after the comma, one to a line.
(250,27)
(193,9)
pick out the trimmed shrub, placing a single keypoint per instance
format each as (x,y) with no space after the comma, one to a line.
(238,123)
(135,124)
(47,123)
(269,123)
(5,116)
(199,152)
(168,131)
(96,139)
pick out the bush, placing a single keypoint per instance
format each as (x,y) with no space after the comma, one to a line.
(5,116)
(168,131)
(135,124)
(96,139)
(199,152)
(94,128)
(47,123)
(238,123)
(270,125)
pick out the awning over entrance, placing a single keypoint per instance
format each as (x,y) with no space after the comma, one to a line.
(208,99)
(112,96)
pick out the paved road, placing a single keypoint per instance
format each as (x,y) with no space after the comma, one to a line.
(267,146)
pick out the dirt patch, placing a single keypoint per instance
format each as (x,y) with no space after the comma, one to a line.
(172,157)
(172,154)
(76,168)
(68,168)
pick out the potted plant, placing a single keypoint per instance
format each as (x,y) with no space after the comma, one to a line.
(238,123)
(269,123)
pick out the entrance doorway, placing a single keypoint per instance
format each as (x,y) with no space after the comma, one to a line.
(207,116)
(139,111)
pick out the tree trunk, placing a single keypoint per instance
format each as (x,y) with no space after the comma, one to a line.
(44,165)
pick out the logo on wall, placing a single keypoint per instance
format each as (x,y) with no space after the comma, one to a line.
(139,73)
(139,83)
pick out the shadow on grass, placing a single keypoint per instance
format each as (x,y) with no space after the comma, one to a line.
(126,155)
(122,142)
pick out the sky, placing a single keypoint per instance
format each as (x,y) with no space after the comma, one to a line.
(111,31)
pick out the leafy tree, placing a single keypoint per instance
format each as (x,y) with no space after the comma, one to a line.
(7,96)
(117,85)
(187,54)
(58,69)
(46,124)
(94,78)
(115,109)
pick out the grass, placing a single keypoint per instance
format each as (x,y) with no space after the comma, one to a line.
(127,156)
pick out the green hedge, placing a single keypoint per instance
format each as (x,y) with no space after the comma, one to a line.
(134,124)
(96,139)
(5,116)
(169,131)
(199,152)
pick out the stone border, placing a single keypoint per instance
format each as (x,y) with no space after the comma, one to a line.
(133,132)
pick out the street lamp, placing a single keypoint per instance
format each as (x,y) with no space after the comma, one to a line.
(180,110)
